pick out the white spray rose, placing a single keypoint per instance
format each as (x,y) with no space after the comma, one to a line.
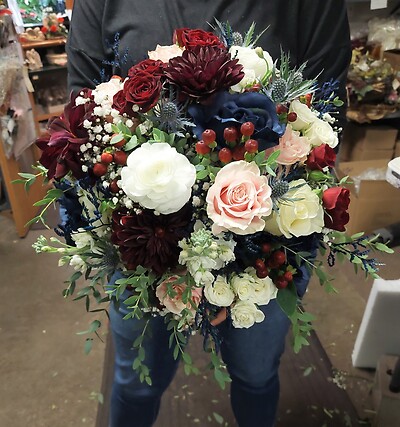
(158,177)
(219,293)
(305,117)
(321,132)
(256,63)
(245,313)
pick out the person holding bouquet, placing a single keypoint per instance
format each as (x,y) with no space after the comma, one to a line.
(108,37)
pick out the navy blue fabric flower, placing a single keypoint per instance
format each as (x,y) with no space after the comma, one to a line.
(234,109)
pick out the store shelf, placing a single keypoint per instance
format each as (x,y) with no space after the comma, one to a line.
(44,43)
(48,68)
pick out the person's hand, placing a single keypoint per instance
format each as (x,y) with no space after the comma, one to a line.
(220,317)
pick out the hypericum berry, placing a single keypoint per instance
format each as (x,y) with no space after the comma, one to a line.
(292,117)
(114,186)
(260,264)
(308,98)
(202,148)
(279,257)
(120,158)
(247,129)
(251,146)
(107,158)
(118,144)
(272,263)
(231,134)
(288,276)
(225,155)
(208,136)
(262,274)
(281,109)
(266,248)
(238,152)
(281,283)
(99,169)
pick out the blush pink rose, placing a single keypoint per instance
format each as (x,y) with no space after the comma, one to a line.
(175,304)
(165,53)
(239,198)
(292,147)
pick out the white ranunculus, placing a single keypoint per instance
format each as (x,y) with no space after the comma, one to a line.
(305,117)
(256,63)
(219,293)
(245,314)
(158,177)
(321,132)
(302,213)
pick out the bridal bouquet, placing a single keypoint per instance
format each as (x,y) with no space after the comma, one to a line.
(198,188)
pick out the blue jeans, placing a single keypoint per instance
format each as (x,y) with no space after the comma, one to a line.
(252,357)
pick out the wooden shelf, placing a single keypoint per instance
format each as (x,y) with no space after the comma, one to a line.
(44,43)
(47,116)
(48,68)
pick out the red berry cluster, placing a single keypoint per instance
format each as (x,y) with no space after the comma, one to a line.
(274,265)
(238,141)
(283,112)
(108,157)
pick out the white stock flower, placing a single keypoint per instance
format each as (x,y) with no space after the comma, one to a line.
(256,63)
(78,263)
(219,293)
(158,177)
(321,132)
(301,215)
(245,313)
(305,117)
(82,238)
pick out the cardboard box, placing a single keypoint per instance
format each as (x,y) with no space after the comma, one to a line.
(376,203)
(393,57)
(367,142)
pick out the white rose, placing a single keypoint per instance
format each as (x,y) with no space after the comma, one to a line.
(263,289)
(244,314)
(219,293)
(305,117)
(158,177)
(321,132)
(243,287)
(256,63)
(301,214)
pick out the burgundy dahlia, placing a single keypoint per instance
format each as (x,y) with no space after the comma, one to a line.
(150,240)
(61,144)
(202,71)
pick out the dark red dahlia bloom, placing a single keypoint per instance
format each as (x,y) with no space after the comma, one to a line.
(61,144)
(189,38)
(202,71)
(336,201)
(143,89)
(152,66)
(150,240)
(321,157)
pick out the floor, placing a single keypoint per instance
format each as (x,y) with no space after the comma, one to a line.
(47,380)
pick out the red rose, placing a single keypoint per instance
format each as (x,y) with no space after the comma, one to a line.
(336,201)
(188,38)
(121,104)
(149,65)
(44,30)
(143,89)
(321,157)
(53,29)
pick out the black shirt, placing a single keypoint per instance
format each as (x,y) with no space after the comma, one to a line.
(311,30)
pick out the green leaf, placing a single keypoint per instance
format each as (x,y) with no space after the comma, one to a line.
(307,371)
(186,358)
(43,202)
(299,342)
(117,138)
(383,248)
(202,174)
(131,144)
(220,378)
(218,418)
(136,363)
(287,299)
(26,175)
(88,345)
